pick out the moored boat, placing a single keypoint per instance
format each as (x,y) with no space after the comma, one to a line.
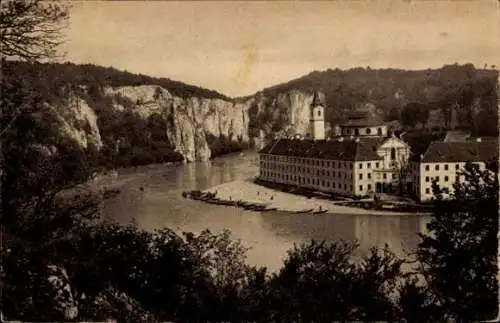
(304,211)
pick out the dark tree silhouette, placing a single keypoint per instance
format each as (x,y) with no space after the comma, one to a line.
(31,30)
(459,254)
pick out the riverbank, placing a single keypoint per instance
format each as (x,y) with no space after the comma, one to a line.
(250,192)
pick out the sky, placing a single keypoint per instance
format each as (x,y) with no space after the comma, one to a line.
(239,48)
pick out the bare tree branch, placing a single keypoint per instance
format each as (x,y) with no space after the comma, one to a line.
(31,30)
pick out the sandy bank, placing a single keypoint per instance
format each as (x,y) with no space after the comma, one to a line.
(250,192)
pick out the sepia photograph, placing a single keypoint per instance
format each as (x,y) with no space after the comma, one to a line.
(249,161)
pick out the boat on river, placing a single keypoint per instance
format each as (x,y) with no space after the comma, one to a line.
(304,211)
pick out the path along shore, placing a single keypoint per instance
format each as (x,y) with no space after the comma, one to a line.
(247,191)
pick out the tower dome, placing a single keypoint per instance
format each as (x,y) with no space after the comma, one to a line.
(318,99)
(317,121)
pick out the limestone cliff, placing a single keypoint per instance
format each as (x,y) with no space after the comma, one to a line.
(79,122)
(190,120)
(271,115)
(135,119)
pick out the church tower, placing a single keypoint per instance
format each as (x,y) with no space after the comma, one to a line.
(317,117)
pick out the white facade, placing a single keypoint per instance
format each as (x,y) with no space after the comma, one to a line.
(395,152)
(317,122)
(356,177)
(445,173)
(351,178)
(378,131)
(332,176)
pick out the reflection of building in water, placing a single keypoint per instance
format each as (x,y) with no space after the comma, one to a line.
(399,233)
(299,228)
(377,231)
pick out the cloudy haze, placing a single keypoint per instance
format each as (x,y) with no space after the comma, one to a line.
(240,48)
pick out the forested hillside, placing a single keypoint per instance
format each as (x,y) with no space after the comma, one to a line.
(108,111)
(56,76)
(455,96)
(133,119)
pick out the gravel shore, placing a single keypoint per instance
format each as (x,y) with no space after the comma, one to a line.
(248,191)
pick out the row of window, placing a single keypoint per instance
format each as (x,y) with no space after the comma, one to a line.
(445,190)
(436,167)
(304,170)
(356,132)
(287,176)
(368,187)
(437,178)
(311,162)
(326,173)
(322,164)
(384,176)
(369,165)
(325,183)
(312,181)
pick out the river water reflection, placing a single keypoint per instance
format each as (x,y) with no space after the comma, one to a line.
(160,204)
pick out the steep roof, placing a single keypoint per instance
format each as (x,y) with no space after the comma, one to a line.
(318,99)
(420,143)
(456,135)
(347,149)
(440,151)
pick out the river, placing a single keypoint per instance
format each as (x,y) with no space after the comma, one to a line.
(159,204)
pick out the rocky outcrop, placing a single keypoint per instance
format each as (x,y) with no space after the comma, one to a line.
(59,287)
(79,122)
(271,115)
(190,120)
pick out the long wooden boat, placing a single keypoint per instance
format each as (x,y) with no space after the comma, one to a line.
(304,211)
(256,208)
(320,212)
(200,198)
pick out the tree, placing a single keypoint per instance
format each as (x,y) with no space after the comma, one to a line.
(459,254)
(409,115)
(31,30)
(402,170)
(321,282)
(414,113)
(393,114)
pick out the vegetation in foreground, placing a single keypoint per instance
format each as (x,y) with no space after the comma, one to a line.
(60,263)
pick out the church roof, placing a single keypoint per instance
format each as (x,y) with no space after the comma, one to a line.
(453,151)
(318,99)
(420,142)
(349,150)
(456,135)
